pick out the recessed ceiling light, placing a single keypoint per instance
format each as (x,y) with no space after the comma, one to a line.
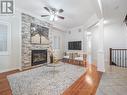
(88,33)
(106,21)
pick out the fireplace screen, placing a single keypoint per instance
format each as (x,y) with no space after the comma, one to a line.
(39,57)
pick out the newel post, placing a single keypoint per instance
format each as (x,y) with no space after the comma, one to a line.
(110,50)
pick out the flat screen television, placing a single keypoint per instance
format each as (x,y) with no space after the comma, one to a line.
(75,45)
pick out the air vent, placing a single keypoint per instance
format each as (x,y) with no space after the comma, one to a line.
(69,32)
(79,30)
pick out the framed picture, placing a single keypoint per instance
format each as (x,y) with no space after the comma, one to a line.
(39,34)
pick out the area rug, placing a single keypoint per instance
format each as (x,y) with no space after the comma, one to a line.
(45,80)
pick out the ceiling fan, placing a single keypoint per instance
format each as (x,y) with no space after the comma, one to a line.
(53,13)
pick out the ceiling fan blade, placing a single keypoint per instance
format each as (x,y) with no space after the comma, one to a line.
(61,10)
(44,15)
(46,8)
(61,17)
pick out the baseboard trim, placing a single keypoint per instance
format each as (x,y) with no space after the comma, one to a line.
(9,70)
(100,69)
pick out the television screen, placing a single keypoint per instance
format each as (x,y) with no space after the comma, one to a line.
(75,45)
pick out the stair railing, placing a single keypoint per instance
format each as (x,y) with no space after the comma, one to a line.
(118,57)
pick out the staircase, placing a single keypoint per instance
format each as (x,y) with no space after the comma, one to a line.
(118,57)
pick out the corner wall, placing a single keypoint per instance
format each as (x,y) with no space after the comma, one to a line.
(115,36)
(13,60)
(75,34)
(94,42)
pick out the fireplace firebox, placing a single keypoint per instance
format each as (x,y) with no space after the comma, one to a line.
(39,57)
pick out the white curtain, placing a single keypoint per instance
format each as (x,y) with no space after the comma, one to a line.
(56,44)
(3,37)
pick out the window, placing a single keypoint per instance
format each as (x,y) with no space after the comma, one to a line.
(4,38)
(56,43)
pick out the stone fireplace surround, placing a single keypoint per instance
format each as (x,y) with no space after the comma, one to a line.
(27,47)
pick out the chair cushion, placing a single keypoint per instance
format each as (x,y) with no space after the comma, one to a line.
(79,58)
(67,57)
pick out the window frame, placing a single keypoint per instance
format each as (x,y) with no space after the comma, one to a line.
(7,52)
(56,44)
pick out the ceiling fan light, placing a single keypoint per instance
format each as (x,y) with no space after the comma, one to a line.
(52,17)
(56,18)
(57,13)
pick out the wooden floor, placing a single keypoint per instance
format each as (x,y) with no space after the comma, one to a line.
(85,85)
(4,85)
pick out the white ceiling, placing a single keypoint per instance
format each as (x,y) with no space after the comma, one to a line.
(76,12)
(114,10)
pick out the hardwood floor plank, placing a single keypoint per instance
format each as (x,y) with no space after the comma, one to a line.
(87,84)
(4,85)
(7,92)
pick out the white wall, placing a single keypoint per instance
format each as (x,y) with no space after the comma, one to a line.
(94,42)
(75,35)
(115,36)
(13,60)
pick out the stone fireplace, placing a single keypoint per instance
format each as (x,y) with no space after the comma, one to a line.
(38,57)
(33,54)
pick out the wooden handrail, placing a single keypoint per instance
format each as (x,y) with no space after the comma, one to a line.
(118,49)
